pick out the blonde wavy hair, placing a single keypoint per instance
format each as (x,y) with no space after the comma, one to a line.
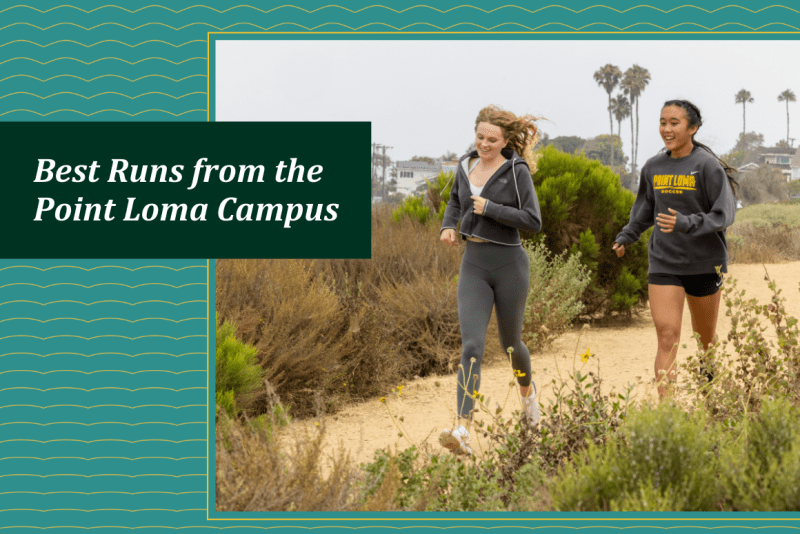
(520,131)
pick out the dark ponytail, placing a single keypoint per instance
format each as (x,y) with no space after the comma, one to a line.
(695,119)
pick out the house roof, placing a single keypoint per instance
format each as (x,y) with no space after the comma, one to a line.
(775,150)
(747,167)
(418,166)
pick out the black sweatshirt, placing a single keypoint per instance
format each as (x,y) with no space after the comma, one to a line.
(697,187)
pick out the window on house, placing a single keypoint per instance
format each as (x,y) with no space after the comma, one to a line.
(784,160)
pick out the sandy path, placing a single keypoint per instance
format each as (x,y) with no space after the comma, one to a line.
(625,353)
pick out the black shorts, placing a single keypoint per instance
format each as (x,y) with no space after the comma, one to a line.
(695,285)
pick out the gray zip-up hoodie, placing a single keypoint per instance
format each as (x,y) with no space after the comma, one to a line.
(511,203)
(697,187)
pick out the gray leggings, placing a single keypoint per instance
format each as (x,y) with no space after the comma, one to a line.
(491,276)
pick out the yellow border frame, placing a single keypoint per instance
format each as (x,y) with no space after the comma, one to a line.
(520,519)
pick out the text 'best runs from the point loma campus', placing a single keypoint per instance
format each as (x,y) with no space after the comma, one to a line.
(229,209)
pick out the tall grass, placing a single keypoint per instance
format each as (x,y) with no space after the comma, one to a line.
(348,329)
(765,233)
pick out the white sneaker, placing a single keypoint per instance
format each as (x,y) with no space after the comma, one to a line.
(530,407)
(456,441)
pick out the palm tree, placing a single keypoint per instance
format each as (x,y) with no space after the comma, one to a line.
(787,96)
(621,109)
(743,97)
(608,77)
(633,85)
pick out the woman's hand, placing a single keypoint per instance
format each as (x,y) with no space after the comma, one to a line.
(667,222)
(619,249)
(478,204)
(449,237)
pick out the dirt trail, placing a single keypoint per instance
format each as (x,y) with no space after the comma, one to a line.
(625,353)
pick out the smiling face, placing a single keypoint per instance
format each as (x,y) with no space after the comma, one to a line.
(489,140)
(676,132)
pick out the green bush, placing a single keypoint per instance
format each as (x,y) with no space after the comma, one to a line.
(447,483)
(236,371)
(432,201)
(660,452)
(761,470)
(412,207)
(760,359)
(557,283)
(583,209)
(439,192)
(581,414)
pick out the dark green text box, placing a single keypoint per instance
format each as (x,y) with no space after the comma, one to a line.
(186,190)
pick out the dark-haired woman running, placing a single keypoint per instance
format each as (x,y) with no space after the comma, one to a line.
(687,192)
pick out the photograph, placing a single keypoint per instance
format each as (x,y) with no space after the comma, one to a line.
(581,295)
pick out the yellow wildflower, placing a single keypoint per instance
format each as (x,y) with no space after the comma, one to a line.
(586,355)
(399,390)
(518,373)
(383,400)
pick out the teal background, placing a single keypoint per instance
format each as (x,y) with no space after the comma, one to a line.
(134,458)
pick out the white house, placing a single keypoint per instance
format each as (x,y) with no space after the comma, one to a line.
(412,174)
(795,165)
(780,158)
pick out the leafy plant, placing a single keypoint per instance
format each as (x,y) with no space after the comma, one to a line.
(553,302)
(412,207)
(236,370)
(761,469)
(663,452)
(752,364)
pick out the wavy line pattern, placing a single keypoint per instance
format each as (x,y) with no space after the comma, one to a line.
(103,423)
(103,354)
(89,269)
(408,27)
(399,11)
(100,371)
(145,62)
(90,426)
(103,319)
(84,286)
(102,302)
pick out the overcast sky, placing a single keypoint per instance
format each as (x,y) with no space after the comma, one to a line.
(422,96)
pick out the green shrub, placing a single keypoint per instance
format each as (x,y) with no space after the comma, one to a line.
(557,282)
(436,483)
(580,415)
(447,483)
(760,359)
(412,207)
(661,448)
(583,209)
(439,192)
(761,470)
(236,373)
